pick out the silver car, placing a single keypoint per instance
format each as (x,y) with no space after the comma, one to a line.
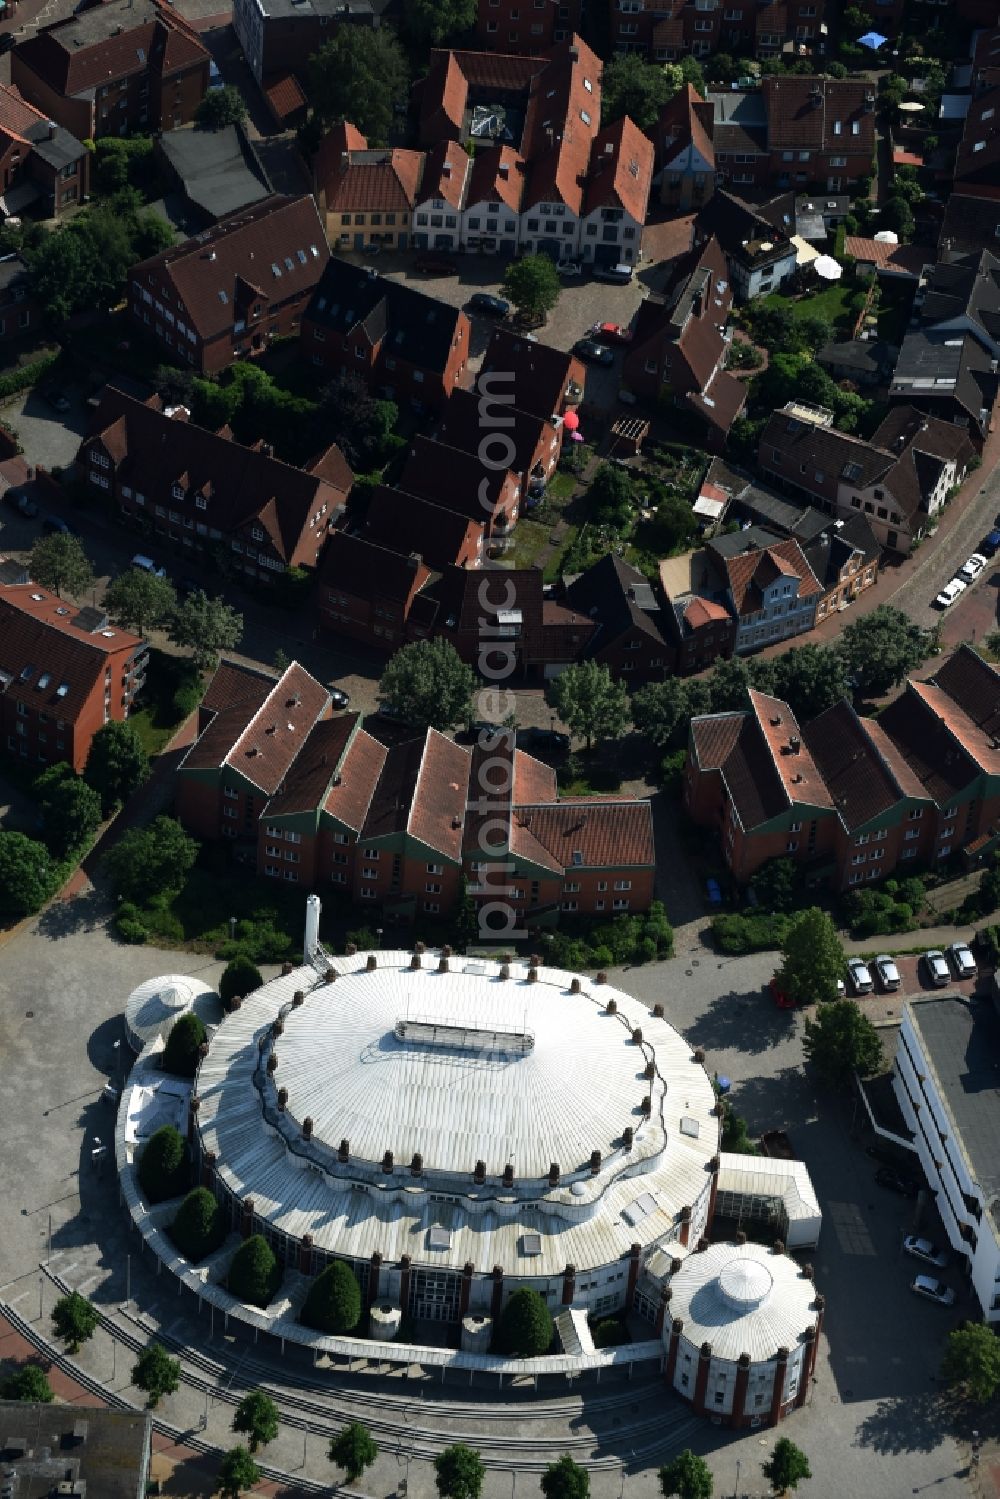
(933,1290)
(888,973)
(962,960)
(860,977)
(923,1249)
(937,969)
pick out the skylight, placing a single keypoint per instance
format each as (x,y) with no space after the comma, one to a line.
(62,689)
(43,681)
(275,268)
(27,672)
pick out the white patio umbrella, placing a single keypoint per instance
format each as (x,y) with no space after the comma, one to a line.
(828,268)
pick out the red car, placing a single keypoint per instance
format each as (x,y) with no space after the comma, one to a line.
(436,265)
(611,333)
(782,1000)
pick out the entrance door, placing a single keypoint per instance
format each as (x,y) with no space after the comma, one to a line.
(435,1296)
(359,241)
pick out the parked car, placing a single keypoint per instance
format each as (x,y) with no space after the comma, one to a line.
(888,973)
(53,523)
(783,1000)
(970,570)
(483,301)
(962,960)
(147,565)
(933,1290)
(937,970)
(949,593)
(621,274)
(339,698)
(436,265)
(56,399)
(895,1181)
(19,501)
(547,739)
(7,40)
(859,976)
(990,545)
(714,892)
(569,268)
(611,333)
(593,352)
(923,1249)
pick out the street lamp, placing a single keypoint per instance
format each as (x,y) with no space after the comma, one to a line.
(232,928)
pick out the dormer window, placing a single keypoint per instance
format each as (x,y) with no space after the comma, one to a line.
(257,533)
(177,490)
(201,503)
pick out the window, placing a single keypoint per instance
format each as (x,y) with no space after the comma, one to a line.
(370,853)
(368,894)
(916,813)
(369,874)
(791,845)
(621,904)
(435,868)
(432,888)
(912,833)
(293,837)
(623,884)
(230,792)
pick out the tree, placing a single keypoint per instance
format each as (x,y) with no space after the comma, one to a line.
(612,496)
(254,1272)
(163,1164)
(565,1479)
(354,1450)
(27,877)
(431,22)
(117,765)
(729,682)
(633,87)
(137,599)
(786,1467)
(237,1472)
(333,1304)
(205,627)
(660,711)
(842,1041)
(256,1417)
(74,1320)
(361,426)
(151,862)
(525,1327)
(459,1472)
(221,107)
(359,75)
(590,701)
(810,679)
(673,525)
(776,885)
(71,810)
(156,1373)
(533,285)
(813,958)
(687,1476)
(181,1054)
(239,978)
(429,685)
(199,1227)
(882,648)
(28,1383)
(897,214)
(59,562)
(971,1364)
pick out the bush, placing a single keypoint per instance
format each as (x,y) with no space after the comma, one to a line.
(255,1273)
(28,374)
(163,1165)
(239,978)
(735,934)
(129,925)
(333,1304)
(525,1328)
(200,1225)
(609,1333)
(187,696)
(181,1053)
(27,1383)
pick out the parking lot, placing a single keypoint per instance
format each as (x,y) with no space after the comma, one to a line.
(48,437)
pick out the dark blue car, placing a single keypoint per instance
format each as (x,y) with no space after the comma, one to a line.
(990,544)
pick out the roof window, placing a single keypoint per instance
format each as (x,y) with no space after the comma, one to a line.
(223,297)
(577,856)
(38,597)
(302,256)
(27,672)
(43,681)
(275,268)
(62,689)
(288,263)
(314,252)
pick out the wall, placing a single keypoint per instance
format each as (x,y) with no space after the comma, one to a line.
(75,115)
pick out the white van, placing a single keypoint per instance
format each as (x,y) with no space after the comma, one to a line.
(621,273)
(148,565)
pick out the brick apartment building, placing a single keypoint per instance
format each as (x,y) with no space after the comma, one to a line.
(670,29)
(280,36)
(409,347)
(64,672)
(206,496)
(853,799)
(40,162)
(525,25)
(320,800)
(226,293)
(413,526)
(113,69)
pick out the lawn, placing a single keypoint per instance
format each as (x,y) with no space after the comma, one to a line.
(158,716)
(829,303)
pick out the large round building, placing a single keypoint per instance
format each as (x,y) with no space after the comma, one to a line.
(455,1129)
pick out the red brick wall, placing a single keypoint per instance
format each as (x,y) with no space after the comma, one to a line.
(198,806)
(75,115)
(649,662)
(179,95)
(524,26)
(333,352)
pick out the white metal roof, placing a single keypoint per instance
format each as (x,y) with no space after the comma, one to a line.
(152,1008)
(768,1176)
(742,1298)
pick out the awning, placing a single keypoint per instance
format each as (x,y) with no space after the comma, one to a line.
(805,253)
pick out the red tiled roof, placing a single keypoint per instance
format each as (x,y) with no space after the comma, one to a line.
(905,258)
(541,375)
(749,571)
(797,770)
(405,523)
(314,767)
(446,169)
(497,174)
(364,570)
(232,684)
(285,96)
(437,812)
(852,765)
(454,479)
(621,170)
(686,120)
(268,745)
(700,612)
(803,113)
(350,797)
(382,180)
(113,40)
(606,833)
(534,781)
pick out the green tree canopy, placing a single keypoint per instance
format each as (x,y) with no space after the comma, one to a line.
(333,1304)
(431,23)
(238,1473)
(239,978)
(361,426)
(205,627)
(776,885)
(71,810)
(810,679)
(254,1272)
(525,1326)
(786,1467)
(156,1373)
(661,712)
(151,861)
(672,527)
(841,1041)
(566,1479)
(138,600)
(813,958)
(359,75)
(60,563)
(256,1417)
(687,1476)
(27,876)
(184,1040)
(354,1450)
(590,702)
(163,1165)
(221,107)
(117,765)
(971,1364)
(897,214)
(84,264)
(427,684)
(631,86)
(199,1227)
(459,1472)
(612,496)
(881,648)
(533,285)
(74,1320)
(28,1383)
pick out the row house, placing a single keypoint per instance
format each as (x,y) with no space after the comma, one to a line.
(320,800)
(978,155)
(459,481)
(228,292)
(898,481)
(205,495)
(679,343)
(667,30)
(698,623)
(525,26)
(407,346)
(367,590)
(629,621)
(418,527)
(771,591)
(279,37)
(853,799)
(819,130)
(65,671)
(756,239)
(738,134)
(531,444)
(113,69)
(366,197)
(40,162)
(971,222)
(684,150)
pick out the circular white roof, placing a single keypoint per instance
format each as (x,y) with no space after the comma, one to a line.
(742,1298)
(152,1008)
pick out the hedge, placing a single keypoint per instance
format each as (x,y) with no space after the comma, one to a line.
(26,375)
